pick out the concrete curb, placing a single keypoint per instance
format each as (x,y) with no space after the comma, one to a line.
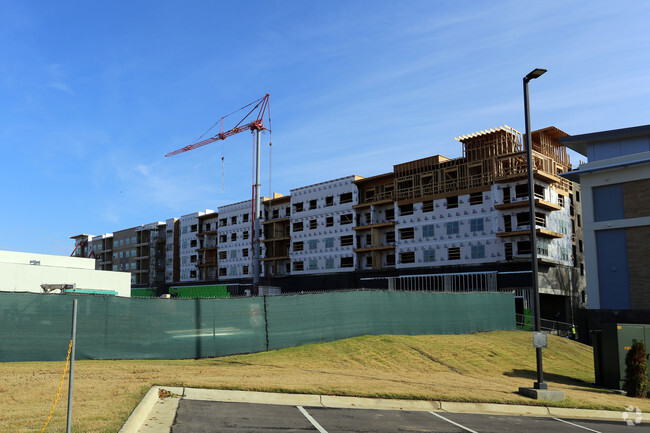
(557,412)
(390,404)
(494,408)
(143,411)
(606,415)
(377,403)
(140,414)
(252,397)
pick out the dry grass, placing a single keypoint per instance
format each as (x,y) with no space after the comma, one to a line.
(485,367)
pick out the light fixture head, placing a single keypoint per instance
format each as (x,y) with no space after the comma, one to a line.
(535,74)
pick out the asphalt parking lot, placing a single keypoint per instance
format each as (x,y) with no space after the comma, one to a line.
(195,416)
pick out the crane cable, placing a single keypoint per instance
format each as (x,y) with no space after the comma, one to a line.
(257,101)
(223,166)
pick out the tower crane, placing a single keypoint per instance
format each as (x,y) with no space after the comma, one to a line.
(261,106)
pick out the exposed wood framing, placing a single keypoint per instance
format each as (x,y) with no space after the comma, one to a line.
(540,204)
(277,238)
(490,156)
(374,226)
(376,190)
(540,232)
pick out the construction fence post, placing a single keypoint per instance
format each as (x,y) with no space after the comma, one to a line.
(72,354)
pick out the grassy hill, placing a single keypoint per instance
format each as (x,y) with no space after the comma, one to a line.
(482,367)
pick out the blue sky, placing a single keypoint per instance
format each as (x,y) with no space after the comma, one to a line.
(94,94)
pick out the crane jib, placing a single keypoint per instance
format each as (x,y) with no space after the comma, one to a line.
(256,125)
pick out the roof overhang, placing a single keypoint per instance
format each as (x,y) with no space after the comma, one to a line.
(608,164)
(579,143)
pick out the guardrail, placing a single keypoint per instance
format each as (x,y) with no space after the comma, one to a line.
(555,327)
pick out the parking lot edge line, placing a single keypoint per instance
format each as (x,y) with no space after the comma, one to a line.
(577,425)
(311,420)
(452,422)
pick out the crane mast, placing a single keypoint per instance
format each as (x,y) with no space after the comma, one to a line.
(256,126)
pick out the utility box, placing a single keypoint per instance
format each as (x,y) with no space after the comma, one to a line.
(611,344)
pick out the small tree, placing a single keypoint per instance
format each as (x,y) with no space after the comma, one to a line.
(636,371)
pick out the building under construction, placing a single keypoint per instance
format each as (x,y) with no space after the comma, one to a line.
(465,216)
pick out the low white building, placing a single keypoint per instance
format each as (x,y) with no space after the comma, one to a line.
(26,272)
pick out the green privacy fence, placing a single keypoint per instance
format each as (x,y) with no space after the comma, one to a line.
(36,327)
(214,291)
(143,293)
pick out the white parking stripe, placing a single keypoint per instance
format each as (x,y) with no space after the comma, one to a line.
(311,420)
(454,423)
(577,425)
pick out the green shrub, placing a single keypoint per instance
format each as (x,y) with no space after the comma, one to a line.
(636,371)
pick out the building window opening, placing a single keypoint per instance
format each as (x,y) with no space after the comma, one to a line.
(407,257)
(406,209)
(523,248)
(407,233)
(346,198)
(476,198)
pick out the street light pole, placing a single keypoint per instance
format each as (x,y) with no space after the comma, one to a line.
(540,384)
